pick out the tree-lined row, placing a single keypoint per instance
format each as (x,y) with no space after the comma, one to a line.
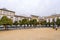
(26,22)
(7,21)
(53,23)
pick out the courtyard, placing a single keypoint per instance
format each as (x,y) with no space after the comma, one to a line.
(31,34)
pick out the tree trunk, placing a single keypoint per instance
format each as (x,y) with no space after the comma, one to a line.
(5,28)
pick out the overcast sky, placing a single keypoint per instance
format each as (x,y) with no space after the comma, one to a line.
(35,7)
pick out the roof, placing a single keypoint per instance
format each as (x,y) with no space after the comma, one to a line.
(18,16)
(34,16)
(56,15)
(52,16)
(23,17)
(7,10)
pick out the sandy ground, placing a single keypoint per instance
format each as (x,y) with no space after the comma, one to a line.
(31,34)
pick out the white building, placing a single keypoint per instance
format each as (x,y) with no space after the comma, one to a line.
(17,18)
(8,13)
(11,14)
(35,17)
(50,18)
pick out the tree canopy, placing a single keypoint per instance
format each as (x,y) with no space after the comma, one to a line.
(6,21)
(58,21)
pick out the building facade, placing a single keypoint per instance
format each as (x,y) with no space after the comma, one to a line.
(35,17)
(8,13)
(17,18)
(52,17)
(11,14)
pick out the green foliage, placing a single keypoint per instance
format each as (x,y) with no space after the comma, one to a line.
(43,22)
(58,21)
(23,22)
(29,23)
(0,22)
(16,23)
(6,21)
(33,22)
(20,22)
